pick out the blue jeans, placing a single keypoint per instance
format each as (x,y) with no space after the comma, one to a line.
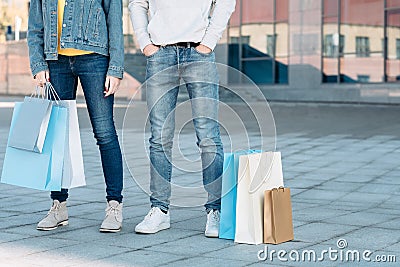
(91,70)
(165,68)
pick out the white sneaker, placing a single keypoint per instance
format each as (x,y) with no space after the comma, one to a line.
(212,226)
(154,221)
(113,221)
(57,216)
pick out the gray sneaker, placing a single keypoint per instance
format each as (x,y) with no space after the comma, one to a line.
(113,221)
(57,216)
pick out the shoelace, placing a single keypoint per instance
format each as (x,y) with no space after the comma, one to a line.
(215,218)
(54,208)
(151,212)
(112,210)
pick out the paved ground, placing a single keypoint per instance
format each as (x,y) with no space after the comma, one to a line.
(341,163)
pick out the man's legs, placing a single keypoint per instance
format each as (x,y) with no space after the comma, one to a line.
(162,80)
(201,77)
(163,74)
(162,119)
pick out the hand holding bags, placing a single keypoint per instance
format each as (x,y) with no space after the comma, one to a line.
(278,226)
(257,173)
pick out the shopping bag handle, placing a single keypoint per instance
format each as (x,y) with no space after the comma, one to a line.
(278,188)
(267,176)
(39,92)
(249,151)
(46,92)
(50,91)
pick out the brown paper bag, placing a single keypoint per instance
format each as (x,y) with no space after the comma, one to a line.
(278,224)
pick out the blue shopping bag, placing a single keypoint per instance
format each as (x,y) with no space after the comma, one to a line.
(30,129)
(229,189)
(33,170)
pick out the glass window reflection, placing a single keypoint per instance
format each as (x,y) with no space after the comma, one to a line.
(358,47)
(258,35)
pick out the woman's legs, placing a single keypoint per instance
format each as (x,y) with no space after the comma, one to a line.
(65,84)
(91,70)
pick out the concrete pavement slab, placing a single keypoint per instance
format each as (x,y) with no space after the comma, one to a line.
(343,176)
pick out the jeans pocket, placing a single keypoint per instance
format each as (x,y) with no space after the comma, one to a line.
(202,54)
(155,53)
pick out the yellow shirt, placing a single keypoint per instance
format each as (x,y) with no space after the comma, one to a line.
(66,51)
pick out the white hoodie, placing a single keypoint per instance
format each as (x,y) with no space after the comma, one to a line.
(163,22)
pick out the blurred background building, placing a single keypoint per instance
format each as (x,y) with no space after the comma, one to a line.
(294,50)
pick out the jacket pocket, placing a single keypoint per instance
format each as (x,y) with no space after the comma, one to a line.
(96,28)
(93,25)
(97,23)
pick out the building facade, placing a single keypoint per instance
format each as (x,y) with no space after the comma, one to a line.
(314,50)
(319,50)
(302,50)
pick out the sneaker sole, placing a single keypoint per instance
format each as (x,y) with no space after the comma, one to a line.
(63,223)
(211,235)
(105,230)
(153,231)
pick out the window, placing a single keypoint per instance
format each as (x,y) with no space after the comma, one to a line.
(362,46)
(271,43)
(333,46)
(263,57)
(398,48)
(235,39)
(363,78)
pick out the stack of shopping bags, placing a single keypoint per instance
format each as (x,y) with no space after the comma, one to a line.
(44,146)
(255,206)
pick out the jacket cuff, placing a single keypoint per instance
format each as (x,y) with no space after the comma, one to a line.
(115,71)
(210,41)
(143,42)
(38,67)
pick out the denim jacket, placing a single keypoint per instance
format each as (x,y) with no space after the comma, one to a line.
(91,25)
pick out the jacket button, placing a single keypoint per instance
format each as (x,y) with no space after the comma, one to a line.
(64,25)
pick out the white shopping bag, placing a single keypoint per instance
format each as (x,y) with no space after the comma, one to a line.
(73,172)
(257,173)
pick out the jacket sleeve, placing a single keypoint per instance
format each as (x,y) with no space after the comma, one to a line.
(36,38)
(113,11)
(138,10)
(223,10)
